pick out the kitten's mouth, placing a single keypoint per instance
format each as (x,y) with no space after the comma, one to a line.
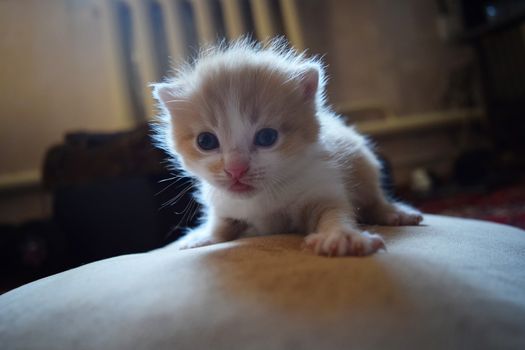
(239,187)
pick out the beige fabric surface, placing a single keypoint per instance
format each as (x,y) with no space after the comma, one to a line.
(450,283)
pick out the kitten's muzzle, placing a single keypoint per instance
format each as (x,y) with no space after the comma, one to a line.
(236,170)
(240,187)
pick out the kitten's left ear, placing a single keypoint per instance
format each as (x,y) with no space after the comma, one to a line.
(309,79)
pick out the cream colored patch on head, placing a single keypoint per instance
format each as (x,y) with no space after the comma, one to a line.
(231,100)
(186,125)
(216,167)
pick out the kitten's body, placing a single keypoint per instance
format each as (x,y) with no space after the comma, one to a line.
(319,177)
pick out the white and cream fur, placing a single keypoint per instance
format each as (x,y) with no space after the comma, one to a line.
(320,178)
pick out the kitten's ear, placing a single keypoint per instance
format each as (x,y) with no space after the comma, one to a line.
(165,93)
(309,78)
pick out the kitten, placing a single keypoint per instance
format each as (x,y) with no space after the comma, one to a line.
(251,124)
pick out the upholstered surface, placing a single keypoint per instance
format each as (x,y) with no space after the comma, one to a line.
(450,283)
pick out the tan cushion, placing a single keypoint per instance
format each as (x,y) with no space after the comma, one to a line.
(450,283)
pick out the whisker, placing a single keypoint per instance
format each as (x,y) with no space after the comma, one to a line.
(184,220)
(185,208)
(178,196)
(169,185)
(171,178)
(195,210)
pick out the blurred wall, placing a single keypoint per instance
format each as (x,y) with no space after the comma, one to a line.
(56,75)
(384,51)
(389,54)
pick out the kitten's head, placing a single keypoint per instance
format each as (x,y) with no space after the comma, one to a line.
(242,117)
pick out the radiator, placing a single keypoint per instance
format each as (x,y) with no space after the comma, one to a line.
(153,36)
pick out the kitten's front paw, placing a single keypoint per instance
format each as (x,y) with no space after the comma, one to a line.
(344,243)
(403,215)
(194,241)
(397,214)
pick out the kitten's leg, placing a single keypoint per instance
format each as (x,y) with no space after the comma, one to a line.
(372,206)
(213,231)
(337,234)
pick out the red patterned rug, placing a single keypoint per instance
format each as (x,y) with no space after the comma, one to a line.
(505,205)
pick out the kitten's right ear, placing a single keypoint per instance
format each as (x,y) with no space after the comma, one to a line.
(165,93)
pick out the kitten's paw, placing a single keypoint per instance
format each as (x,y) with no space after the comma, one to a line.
(401,218)
(194,241)
(398,214)
(344,243)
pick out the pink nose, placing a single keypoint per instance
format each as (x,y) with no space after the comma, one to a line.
(236,170)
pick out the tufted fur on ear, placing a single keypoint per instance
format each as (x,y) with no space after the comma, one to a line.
(310,82)
(165,93)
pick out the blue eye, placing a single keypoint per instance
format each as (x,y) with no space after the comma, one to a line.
(266,137)
(207,141)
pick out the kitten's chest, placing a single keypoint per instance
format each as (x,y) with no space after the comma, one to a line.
(280,221)
(265,219)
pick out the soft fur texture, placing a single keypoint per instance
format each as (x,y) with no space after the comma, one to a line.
(319,178)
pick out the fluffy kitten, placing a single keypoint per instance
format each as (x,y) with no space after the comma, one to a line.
(251,124)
